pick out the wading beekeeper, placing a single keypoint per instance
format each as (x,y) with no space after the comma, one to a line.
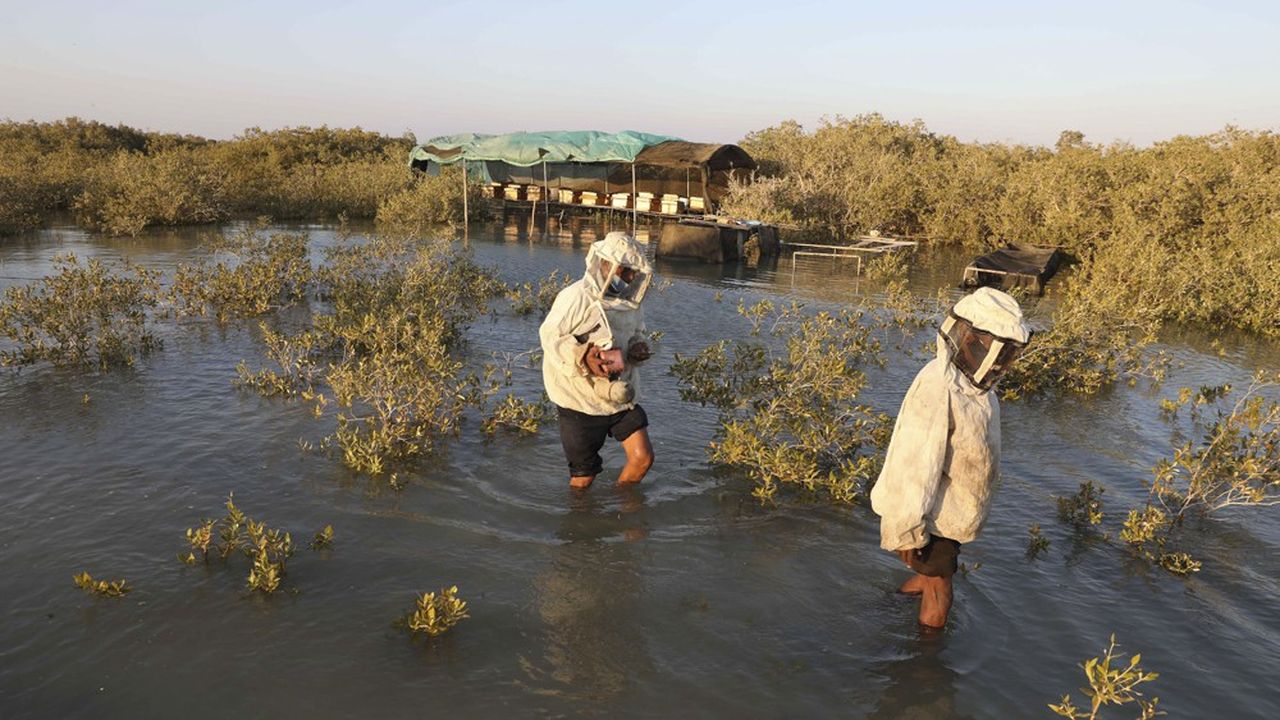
(592,340)
(944,458)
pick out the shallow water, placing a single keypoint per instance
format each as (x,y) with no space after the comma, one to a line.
(682,598)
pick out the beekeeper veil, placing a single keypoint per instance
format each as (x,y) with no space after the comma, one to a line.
(985,333)
(613,289)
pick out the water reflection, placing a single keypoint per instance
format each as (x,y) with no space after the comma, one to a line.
(918,686)
(588,597)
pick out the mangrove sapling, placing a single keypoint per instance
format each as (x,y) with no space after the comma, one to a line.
(323,540)
(517,415)
(1036,543)
(1084,508)
(537,297)
(788,410)
(436,613)
(89,315)
(1235,463)
(1111,684)
(295,355)
(388,355)
(199,538)
(267,548)
(104,588)
(247,274)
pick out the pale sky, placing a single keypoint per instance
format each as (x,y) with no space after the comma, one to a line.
(711,71)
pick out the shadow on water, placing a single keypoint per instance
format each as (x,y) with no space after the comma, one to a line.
(918,686)
(586,598)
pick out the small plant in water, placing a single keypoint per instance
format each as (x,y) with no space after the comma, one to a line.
(199,538)
(1037,543)
(517,415)
(436,613)
(1111,684)
(529,297)
(269,548)
(323,539)
(105,588)
(1083,508)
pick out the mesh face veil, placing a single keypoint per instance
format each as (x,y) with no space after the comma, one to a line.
(982,356)
(627,286)
(618,273)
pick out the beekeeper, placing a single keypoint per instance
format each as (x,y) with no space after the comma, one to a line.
(592,340)
(943,460)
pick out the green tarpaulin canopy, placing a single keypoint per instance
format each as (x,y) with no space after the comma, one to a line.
(525,149)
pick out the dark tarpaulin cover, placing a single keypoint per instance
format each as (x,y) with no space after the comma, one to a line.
(1025,265)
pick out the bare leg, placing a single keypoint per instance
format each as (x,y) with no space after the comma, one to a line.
(913,586)
(935,601)
(639,457)
(581,482)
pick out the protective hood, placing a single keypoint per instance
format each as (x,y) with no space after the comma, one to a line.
(603,282)
(983,334)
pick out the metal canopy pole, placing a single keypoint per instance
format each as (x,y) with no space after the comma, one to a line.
(533,213)
(466,215)
(546,194)
(633,196)
(706,196)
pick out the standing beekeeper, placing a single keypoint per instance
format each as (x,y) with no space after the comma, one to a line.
(944,458)
(592,340)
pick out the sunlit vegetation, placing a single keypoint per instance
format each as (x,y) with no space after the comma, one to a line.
(86,314)
(1233,462)
(537,297)
(788,405)
(1036,542)
(104,588)
(120,180)
(436,613)
(1113,682)
(323,540)
(517,415)
(431,200)
(129,191)
(1184,230)
(267,549)
(1084,508)
(388,353)
(248,273)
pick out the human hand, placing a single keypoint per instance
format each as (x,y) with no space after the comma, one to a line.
(639,351)
(595,364)
(906,556)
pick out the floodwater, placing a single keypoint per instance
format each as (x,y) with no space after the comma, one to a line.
(683,598)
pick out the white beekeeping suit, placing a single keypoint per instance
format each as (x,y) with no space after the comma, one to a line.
(602,310)
(943,460)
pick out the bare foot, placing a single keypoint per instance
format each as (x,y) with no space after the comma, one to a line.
(581,482)
(913,586)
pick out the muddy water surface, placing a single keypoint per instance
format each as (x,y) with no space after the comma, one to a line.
(682,598)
